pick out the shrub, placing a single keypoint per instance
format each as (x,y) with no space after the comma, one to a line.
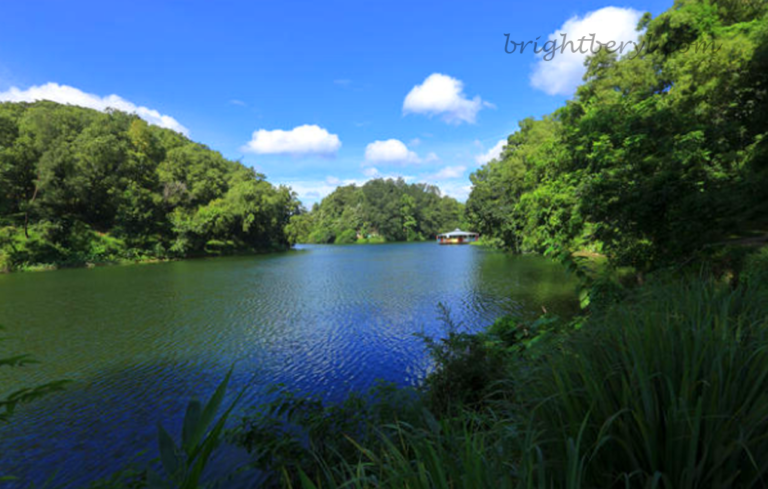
(755,270)
(372,239)
(348,236)
(321,236)
(219,247)
(295,435)
(6,265)
(465,367)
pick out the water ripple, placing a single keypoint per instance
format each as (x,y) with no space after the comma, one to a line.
(140,341)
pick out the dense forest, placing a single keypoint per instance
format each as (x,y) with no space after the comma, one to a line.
(81,186)
(658,157)
(380,210)
(659,162)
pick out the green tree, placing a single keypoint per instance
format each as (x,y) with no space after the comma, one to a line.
(388,209)
(82,186)
(658,158)
(407,205)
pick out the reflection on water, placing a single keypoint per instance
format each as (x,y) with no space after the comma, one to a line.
(140,340)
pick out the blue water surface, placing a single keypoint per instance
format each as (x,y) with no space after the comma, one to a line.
(139,341)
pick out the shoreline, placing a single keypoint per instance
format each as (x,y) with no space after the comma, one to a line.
(53,267)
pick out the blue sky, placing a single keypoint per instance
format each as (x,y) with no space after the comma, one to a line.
(423,90)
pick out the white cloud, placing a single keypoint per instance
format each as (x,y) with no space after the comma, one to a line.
(389,152)
(448,173)
(301,140)
(444,96)
(371,172)
(492,154)
(65,94)
(564,71)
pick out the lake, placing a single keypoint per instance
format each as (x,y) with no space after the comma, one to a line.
(139,341)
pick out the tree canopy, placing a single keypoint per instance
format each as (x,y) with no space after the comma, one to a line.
(83,186)
(659,155)
(390,210)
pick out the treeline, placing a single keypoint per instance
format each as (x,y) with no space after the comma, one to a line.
(81,186)
(380,210)
(656,159)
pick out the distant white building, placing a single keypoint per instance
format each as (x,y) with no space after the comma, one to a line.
(457,236)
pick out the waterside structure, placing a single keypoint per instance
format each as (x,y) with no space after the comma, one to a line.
(457,236)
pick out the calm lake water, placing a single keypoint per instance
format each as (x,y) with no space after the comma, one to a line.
(139,341)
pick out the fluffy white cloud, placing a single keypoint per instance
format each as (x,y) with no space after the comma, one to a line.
(389,152)
(301,140)
(444,96)
(448,173)
(491,154)
(562,73)
(65,94)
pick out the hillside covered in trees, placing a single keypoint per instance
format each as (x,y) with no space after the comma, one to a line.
(81,186)
(380,210)
(659,156)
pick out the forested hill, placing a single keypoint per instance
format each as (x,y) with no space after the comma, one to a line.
(659,156)
(81,186)
(380,210)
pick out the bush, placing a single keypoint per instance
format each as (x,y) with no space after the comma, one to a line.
(466,366)
(372,239)
(22,252)
(219,247)
(321,236)
(348,236)
(755,270)
(6,265)
(294,435)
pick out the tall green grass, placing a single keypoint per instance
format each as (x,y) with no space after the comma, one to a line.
(668,389)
